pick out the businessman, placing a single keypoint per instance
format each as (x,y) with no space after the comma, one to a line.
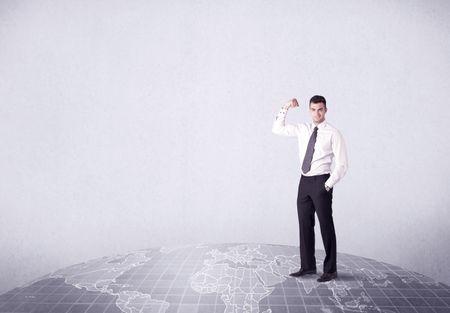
(320,145)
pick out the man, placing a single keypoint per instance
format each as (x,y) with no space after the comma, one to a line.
(319,145)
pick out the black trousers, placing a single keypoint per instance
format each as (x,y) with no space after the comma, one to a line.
(312,198)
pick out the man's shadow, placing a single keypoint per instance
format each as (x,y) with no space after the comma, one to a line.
(347,277)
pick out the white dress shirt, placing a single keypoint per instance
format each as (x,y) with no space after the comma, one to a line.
(329,147)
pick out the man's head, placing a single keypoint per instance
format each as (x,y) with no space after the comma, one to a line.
(318,109)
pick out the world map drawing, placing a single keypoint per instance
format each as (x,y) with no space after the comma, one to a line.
(228,278)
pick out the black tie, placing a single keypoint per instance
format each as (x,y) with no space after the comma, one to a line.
(306,166)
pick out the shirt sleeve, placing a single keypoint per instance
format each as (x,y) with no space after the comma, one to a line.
(340,159)
(279,126)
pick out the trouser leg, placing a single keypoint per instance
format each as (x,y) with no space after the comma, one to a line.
(323,205)
(306,220)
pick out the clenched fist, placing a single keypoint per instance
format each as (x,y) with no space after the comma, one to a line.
(291,104)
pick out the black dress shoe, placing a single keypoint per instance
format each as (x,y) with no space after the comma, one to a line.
(302,272)
(327,277)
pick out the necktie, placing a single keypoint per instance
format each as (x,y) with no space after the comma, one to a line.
(306,166)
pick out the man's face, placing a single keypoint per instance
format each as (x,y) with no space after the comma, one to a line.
(317,111)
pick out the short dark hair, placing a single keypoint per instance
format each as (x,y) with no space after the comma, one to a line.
(318,99)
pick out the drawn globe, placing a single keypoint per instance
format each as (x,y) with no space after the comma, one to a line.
(226,278)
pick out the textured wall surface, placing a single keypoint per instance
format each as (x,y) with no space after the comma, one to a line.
(128,125)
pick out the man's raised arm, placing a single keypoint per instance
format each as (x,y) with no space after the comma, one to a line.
(279,127)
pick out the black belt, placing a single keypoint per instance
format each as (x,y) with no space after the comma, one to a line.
(317,176)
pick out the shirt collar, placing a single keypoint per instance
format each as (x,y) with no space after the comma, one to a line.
(319,126)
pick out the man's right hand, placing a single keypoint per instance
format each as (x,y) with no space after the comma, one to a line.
(291,104)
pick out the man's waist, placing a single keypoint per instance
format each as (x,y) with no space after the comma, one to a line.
(317,176)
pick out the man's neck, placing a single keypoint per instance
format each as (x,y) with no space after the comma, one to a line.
(318,123)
